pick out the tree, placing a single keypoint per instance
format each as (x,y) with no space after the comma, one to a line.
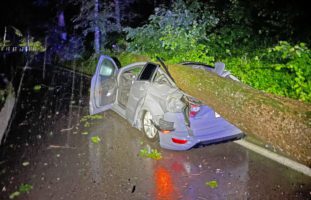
(99,18)
(280,121)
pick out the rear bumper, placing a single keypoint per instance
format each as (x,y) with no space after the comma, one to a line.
(167,143)
(210,134)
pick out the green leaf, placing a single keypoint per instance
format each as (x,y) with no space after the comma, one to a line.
(150,153)
(17,32)
(23,188)
(14,194)
(95,139)
(85,133)
(212,184)
(37,87)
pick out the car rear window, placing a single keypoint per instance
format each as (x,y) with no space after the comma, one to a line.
(148,72)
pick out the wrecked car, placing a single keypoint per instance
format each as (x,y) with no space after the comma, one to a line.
(145,95)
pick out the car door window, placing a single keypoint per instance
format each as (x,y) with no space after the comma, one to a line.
(148,72)
(107,68)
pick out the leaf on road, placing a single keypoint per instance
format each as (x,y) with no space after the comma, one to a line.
(37,87)
(90,117)
(87,124)
(14,194)
(212,184)
(25,188)
(150,153)
(85,133)
(95,139)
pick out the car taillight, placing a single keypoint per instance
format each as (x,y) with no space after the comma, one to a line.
(194,109)
(179,141)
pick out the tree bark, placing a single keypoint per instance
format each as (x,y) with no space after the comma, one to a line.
(96,28)
(117,14)
(62,25)
(280,121)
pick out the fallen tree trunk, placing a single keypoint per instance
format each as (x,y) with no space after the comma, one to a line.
(284,123)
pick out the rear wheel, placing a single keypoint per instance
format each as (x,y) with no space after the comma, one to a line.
(150,131)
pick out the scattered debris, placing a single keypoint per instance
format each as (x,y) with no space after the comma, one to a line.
(133,189)
(66,129)
(14,194)
(86,119)
(90,117)
(150,153)
(87,124)
(25,163)
(60,147)
(37,88)
(95,139)
(23,188)
(212,184)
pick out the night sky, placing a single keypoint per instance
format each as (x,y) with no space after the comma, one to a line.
(37,16)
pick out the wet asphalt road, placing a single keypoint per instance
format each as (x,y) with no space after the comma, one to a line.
(51,149)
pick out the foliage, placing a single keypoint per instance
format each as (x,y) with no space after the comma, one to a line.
(15,37)
(212,184)
(177,31)
(150,153)
(37,88)
(23,188)
(95,139)
(283,69)
(90,117)
(187,32)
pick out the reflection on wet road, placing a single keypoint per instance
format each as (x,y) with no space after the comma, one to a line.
(52,149)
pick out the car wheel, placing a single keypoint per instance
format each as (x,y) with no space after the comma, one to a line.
(150,131)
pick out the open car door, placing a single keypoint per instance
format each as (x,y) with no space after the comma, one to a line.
(104,85)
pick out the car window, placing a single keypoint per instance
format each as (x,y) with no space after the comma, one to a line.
(107,68)
(148,72)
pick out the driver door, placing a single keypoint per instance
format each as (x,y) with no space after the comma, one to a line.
(103,86)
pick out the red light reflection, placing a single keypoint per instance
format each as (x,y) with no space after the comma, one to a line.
(163,184)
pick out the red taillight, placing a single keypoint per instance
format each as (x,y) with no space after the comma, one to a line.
(179,141)
(194,109)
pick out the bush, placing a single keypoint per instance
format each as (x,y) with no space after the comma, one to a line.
(187,32)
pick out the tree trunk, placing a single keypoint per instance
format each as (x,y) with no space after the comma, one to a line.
(282,122)
(97,30)
(61,25)
(117,14)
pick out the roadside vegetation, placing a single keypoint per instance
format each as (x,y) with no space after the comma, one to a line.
(266,55)
(3,94)
(194,32)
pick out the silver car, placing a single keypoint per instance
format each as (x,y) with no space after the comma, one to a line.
(145,94)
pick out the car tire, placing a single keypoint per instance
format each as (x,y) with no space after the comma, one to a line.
(149,130)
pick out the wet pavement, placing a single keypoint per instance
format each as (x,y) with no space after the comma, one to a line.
(51,148)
